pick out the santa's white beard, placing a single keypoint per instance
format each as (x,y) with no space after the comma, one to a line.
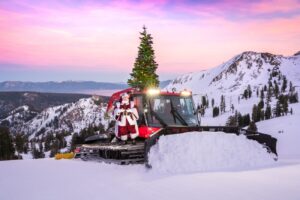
(125,102)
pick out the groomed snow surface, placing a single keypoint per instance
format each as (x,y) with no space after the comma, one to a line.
(201,165)
(49,179)
(207,151)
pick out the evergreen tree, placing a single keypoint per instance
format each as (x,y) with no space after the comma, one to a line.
(268,112)
(291,87)
(252,126)
(249,91)
(246,120)
(278,109)
(75,141)
(240,120)
(246,94)
(293,97)
(262,114)
(204,103)
(144,71)
(269,95)
(7,150)
(276,90)
(284,84)
(260,105)
(212,102)
(262,94)
(232,121)
(285,107)
(216,111)
(223,104)
(19,141)
(255,112)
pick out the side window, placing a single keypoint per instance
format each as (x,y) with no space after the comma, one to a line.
(138,103)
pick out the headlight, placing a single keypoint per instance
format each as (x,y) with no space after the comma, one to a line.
(185,93)
(153,91)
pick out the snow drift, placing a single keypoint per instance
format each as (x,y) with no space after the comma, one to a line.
(207,151)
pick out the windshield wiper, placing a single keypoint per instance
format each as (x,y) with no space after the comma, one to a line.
(161,121)
(176,114)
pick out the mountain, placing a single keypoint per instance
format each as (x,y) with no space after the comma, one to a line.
(69,117)
(163,84)
(35,101)
(87,87)
(231,79)
(83,87)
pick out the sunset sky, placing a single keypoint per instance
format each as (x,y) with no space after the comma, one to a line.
(60,40)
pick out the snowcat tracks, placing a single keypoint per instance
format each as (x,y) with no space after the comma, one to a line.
(115,153)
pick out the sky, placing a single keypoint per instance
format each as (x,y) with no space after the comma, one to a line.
(59,40)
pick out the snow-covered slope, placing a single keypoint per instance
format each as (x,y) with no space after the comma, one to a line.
(49,179)
(70,117)
(233,77)
(236,74)
(286,130)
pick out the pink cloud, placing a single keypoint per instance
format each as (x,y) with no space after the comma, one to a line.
(105,36)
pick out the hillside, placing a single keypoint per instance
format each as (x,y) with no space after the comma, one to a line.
(35,101)
(69,117)
(249,72)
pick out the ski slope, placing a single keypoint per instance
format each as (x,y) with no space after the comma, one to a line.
(49,179)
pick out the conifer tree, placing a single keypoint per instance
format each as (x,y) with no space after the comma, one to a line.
(276,90)
(246,94)
(144,71)
(7,150)
(278,109)
(252,126)
(268,112)
(246,120)
(262,94)
(222,104)
(255,115)
(216,111)
(249,91)
(284,84)
(291,87)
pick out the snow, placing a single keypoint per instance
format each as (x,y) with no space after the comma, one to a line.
(207,151)
(251,69)
(49,179)
(286,130)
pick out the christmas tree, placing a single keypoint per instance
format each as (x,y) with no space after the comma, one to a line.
(144,71)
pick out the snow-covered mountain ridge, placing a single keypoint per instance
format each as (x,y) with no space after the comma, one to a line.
(236,74)
(69,117)
(259,71)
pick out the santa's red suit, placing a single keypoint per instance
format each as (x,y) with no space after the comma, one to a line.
(126,117)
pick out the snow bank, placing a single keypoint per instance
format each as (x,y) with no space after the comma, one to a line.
(207,151)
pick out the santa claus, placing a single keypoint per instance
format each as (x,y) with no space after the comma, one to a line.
(126,116)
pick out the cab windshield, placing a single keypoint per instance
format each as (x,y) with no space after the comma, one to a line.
(170,111)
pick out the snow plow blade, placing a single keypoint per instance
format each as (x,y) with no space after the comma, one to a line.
(99,148)
(265,140)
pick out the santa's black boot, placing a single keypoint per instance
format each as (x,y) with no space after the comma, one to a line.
(133,142)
